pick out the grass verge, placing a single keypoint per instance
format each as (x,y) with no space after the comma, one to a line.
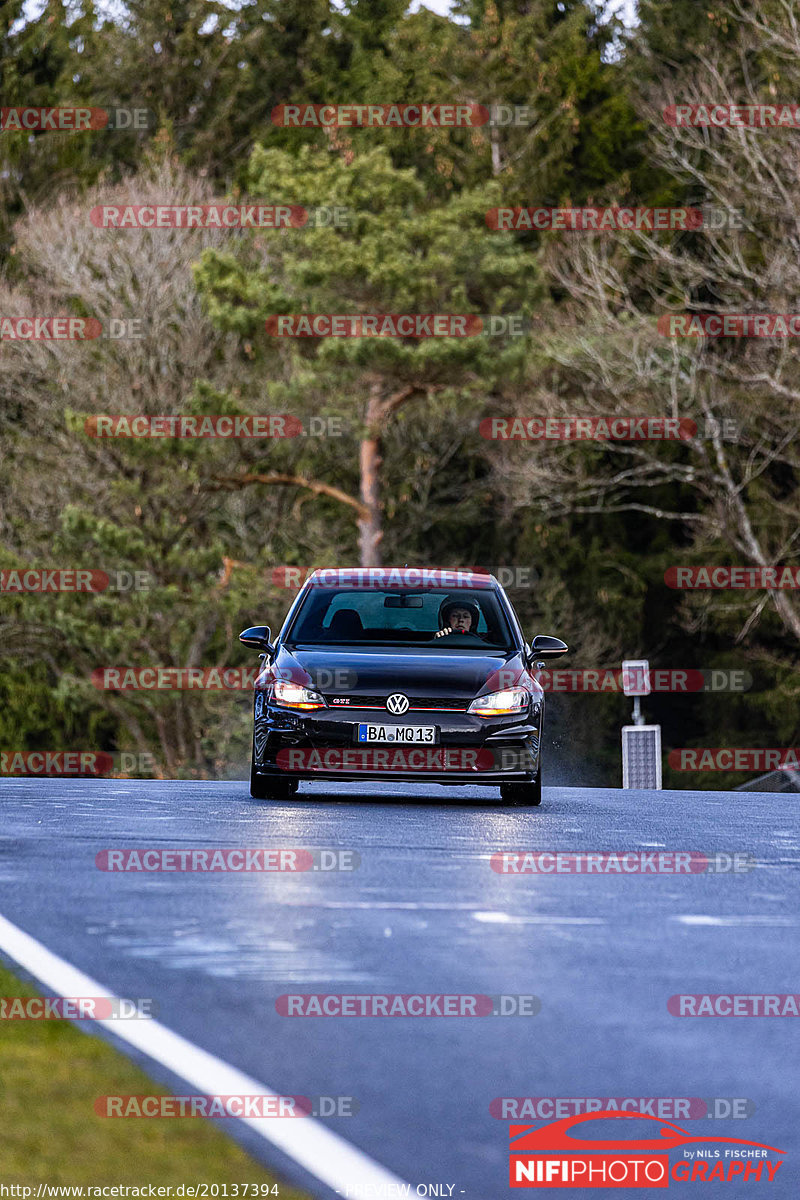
(51,1073)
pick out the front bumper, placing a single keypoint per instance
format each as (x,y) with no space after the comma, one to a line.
(321,745)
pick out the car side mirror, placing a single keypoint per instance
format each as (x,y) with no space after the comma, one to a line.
(258,638)
(544,646)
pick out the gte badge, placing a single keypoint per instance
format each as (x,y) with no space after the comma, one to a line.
(554,1156)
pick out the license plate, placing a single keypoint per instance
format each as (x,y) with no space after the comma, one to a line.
(410,734)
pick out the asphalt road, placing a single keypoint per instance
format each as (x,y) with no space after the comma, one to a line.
(425,913)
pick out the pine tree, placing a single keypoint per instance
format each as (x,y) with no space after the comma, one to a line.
(400,254)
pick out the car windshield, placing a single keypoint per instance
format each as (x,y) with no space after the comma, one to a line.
(436,618)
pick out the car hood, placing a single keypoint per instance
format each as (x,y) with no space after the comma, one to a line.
(457,675)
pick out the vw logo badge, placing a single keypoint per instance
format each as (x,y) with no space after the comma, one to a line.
(398,704)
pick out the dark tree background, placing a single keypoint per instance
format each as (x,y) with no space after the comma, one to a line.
(409,478)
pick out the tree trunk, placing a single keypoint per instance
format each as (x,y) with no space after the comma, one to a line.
(370,527)
(494,138)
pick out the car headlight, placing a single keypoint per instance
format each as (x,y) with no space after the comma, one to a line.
(292,695)
(498,704)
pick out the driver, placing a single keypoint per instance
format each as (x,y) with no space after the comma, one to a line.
(458,616)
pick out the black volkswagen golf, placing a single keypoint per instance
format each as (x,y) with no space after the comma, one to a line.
(402,674)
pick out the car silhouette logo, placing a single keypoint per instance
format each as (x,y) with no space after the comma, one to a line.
(398,704)
(556,1136)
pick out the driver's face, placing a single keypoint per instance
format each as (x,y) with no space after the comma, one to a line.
(460,620)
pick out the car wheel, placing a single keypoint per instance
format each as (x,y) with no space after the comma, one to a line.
(523,794)
(265,787)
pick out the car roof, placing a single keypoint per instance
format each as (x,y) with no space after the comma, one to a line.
(414,577)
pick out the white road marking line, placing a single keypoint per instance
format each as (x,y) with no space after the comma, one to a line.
(323,1153)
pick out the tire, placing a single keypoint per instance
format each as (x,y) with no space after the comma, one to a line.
(266,787)
(523,795)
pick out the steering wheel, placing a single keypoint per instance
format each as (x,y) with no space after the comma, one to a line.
(467,639)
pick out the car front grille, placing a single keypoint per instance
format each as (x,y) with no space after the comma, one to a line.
(424,704)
